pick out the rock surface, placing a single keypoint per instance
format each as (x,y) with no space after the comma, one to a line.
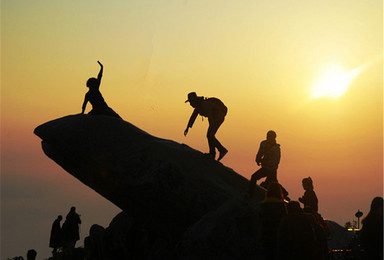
(176,203)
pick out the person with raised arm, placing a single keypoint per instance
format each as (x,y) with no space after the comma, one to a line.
(93,96)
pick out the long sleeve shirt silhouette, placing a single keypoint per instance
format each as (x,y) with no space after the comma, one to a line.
(309,200)
(55,238)
(269,155)
(209,107)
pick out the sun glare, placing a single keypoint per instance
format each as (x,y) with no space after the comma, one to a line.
(334,82)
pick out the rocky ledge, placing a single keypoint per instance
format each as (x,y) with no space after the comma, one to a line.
(176,202)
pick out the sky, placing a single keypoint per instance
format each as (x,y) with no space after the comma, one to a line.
(275,64)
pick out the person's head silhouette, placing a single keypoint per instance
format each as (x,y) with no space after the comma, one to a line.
(377,205)
(274,191)
(307,183)
(271,135)
(92,82)
(193,99)
(31,254)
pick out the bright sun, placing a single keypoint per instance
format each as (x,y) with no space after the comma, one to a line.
(334,82)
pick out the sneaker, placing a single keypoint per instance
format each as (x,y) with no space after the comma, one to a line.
(222,154)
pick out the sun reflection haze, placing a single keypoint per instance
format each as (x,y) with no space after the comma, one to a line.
(334,82)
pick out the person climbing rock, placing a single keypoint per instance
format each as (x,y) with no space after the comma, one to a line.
(268,157)
(216,111)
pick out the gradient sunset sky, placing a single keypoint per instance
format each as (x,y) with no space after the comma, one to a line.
(265,59)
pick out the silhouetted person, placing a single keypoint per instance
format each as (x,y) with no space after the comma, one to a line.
(70,229)
(95,243)
(268,157)
(297,237)
(99,106)
(55,238)
(216,111)
(272,212)
(371,234)
(310,203)
(309,198)
(31,254)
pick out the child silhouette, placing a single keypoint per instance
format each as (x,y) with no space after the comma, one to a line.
(309,198)
(99,106)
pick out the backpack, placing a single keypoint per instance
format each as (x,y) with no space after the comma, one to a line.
(219,106)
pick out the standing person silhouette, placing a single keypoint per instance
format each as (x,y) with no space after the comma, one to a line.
(70,229)
(31,254)
(272,212)
(371,234)
(55,238)
(309,199)
(99,106)
(268,157)
(216,111)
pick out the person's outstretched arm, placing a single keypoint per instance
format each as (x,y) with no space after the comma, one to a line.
(100,75)
(84,104)
(191,121)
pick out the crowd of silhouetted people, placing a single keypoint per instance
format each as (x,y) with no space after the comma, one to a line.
(31,255)
(63,238)
(288,231)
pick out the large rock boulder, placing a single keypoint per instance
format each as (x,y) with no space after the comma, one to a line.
(168,187)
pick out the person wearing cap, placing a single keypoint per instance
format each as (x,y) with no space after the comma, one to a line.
(216,111)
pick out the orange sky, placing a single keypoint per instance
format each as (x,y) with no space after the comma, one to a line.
(261,58)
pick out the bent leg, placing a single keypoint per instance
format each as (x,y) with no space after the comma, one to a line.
(214,124)
(212,141)
(271,177)
(262,172)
